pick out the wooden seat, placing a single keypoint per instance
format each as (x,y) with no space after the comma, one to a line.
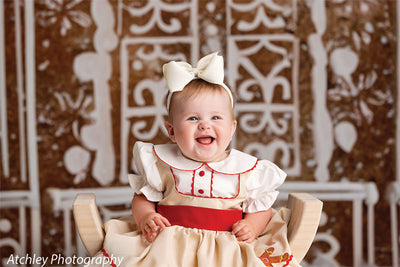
(305,215)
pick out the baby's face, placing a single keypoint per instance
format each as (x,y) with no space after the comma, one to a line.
(202,126)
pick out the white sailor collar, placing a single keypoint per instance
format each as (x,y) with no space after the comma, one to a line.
(236,163)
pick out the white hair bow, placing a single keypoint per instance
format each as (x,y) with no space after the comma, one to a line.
(209,68)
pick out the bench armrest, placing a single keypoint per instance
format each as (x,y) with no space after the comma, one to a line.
(304,220)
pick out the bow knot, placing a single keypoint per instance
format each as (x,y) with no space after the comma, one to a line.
(195,72)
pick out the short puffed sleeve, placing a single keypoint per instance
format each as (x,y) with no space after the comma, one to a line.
(261,186)
(148,180)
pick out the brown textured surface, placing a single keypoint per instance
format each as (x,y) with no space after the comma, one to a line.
(372,158)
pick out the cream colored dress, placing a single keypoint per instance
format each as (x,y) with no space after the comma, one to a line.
(196,197)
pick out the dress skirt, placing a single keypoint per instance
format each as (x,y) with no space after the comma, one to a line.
(176,246)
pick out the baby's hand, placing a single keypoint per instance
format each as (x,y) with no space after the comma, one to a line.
(151,223)
(244,231)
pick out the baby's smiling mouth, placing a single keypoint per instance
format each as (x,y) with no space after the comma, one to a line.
(205,140)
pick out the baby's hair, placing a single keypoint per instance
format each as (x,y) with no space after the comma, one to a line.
(196,87)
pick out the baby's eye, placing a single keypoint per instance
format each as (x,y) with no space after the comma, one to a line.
(216,117)
(193,118)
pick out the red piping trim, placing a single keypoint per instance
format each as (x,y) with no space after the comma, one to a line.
(211,184)
(176,188)
(202,164)
(288,261)
(108,257)
(239,178)
(192,185)
(252,168)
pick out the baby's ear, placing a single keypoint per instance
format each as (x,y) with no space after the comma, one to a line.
(170,130)
(234,124)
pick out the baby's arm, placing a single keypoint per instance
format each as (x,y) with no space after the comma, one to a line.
(146,217)
(249,228)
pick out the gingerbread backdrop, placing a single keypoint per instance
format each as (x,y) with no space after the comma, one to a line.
(316,90)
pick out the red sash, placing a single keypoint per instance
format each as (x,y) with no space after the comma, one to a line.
(200,218)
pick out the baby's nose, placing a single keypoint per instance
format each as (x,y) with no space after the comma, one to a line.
(204,125)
